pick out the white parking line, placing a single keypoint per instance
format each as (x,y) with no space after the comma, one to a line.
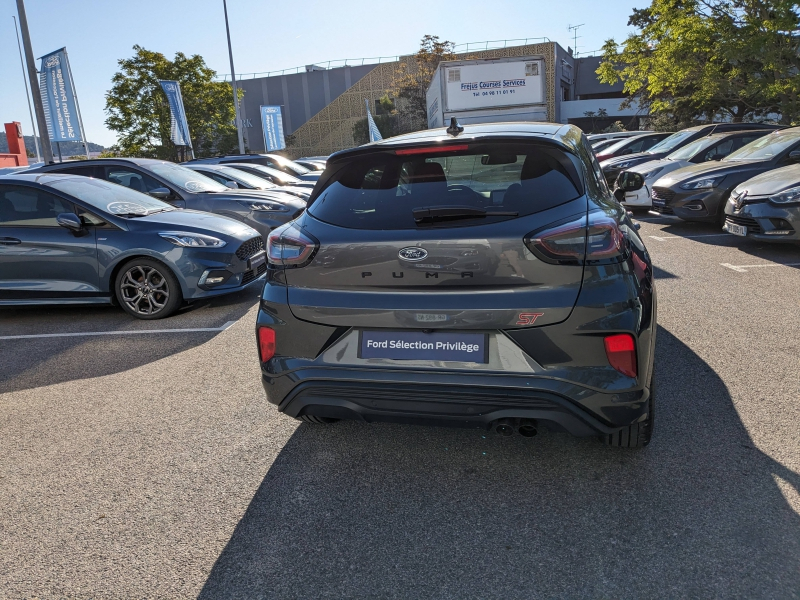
(127,332)
(743,268)
(664,238)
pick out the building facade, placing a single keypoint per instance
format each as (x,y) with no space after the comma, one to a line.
(320,106)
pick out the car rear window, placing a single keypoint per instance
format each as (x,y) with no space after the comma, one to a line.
(382,190)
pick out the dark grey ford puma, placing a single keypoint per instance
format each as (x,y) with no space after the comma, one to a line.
(484,277)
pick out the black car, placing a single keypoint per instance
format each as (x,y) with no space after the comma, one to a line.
(184,188)
(699,192)
(275,161)
(488,280)
(614,166)
(631,145)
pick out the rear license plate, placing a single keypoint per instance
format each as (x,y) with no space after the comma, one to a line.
(417,345)
(737,229)
(257,261)
(430,318)
(425,266)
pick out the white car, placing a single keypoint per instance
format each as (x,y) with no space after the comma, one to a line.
(637,182)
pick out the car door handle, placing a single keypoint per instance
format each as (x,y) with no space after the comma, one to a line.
(9,241)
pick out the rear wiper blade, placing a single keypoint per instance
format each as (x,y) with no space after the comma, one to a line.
(429,214)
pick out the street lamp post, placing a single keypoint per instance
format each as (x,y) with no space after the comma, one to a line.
(233,81)
(44,135)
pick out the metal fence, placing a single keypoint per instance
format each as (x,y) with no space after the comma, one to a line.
(375,60)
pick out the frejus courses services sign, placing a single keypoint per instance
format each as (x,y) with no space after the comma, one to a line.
(58,97)
(272,123)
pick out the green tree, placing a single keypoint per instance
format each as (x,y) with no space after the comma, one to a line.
(706,59)
(138,111)
(411,81)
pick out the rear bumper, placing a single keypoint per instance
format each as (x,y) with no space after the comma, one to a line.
(452,399)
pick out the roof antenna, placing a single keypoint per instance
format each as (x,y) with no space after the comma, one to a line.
(454,128)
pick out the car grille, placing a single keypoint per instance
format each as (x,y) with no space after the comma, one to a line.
(250,275)
(662,195)
(751,224)
(250,247)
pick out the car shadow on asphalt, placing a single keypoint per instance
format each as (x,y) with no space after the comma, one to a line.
(390,511)
(31,363)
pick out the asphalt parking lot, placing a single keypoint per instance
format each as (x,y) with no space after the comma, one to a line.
(149,464)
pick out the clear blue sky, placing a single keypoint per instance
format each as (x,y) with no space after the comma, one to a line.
(272,35)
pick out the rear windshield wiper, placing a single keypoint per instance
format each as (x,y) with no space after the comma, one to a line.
(429,214)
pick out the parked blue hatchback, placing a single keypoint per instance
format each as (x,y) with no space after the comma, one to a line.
(68,239)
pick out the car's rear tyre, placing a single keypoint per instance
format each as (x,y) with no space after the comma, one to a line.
(317,420)
(639,434)
(147,289)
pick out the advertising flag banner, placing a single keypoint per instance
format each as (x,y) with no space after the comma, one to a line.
(374,133)
(58,97)
(179,126)
(272,124)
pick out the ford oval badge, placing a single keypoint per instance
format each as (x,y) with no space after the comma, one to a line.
(412,253)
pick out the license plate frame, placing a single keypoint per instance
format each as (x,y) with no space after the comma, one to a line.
(740,230)
(257,260)
(457,351)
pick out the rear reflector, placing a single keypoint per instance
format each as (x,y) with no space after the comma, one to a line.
(431,150)
(621,353)
(266,343)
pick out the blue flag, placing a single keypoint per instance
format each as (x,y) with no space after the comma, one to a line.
(374,133)
(58,97)
(179,126)
(272,124)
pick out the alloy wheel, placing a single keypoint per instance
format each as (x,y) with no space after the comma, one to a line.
(144,290)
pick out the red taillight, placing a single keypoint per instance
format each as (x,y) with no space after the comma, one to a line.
(621,353)
(605,240)
(572,242)
(288,246)
(266,343)
(431,150)
(602,157)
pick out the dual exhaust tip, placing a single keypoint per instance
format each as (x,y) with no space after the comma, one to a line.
(507,427)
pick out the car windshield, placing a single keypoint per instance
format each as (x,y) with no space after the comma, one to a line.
(617,145)
(289,164)
(184,178)
(284,178)
(245,177)
(690,150)
(109,197)
(767,147)
(491,181)
(672,142)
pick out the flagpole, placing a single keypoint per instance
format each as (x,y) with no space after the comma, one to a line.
(233,81)
(47,149)
(27,95)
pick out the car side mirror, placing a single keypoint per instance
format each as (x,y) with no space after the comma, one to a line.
(161,193)
(232,185)
(794,156)
(70,221)
(619,194)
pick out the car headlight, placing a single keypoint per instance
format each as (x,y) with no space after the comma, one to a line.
(262,205)
(192,240)
(790,196)
(653,173)
(701,184)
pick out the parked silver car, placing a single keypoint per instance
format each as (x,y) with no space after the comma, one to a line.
(766,207)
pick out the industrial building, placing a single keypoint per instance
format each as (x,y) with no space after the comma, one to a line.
(320,105)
